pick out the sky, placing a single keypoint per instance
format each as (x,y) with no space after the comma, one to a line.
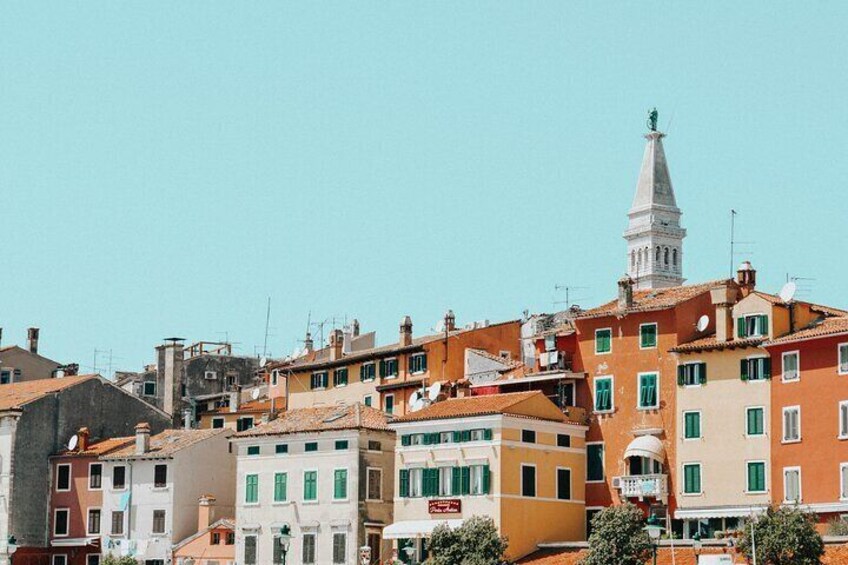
(166,167)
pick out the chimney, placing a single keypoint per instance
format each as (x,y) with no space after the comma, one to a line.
(1,337)
(32,340)
(406,331)
(205,512)
(142,438)
(169,372)
(187,419)
(82,439)
(746,276)
(625,292)
(462,389)
(235,399)
(336,344)
(308,344)
(355,325)
(450,321)
(723,298)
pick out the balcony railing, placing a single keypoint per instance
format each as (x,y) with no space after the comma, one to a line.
(644,486)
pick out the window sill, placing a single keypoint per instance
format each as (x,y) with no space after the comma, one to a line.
(753,492)
(795,380)
(250,504)
(603,352)
(603,412)
(693,438)
(647,408)
(340,500)
(790,441)
(754,436)
(319,388)
(390,377)
(692,494)
(841,438)
(281,503)
(309,502)
(696,385)
(159,489)
(340,386)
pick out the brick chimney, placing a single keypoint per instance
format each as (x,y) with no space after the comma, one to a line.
(450,321)
(32,340)
(723,298)
(746,276)
(205,512)
(83,439)
(308,344)
(625,292)
(406,331)
(336,344)
(142,438)
(235,399)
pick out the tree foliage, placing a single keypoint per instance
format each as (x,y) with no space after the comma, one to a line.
(114,560)
(783,536)
(618,537)
(475,542)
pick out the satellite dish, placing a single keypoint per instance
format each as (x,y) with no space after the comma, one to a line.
(440,326)
(703,322)
(434,391)
(263,361)
(255,394)
(415,397)
(787,293)
(73,442)
(417,405)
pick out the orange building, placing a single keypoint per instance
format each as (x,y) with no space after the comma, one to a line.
(809,420)
(215,540)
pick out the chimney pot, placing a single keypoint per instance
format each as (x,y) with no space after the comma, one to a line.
(82,439)
(406,331)
(625,292)
(450,321)
(746,276)
(336,344)
(32,340)
(142,438)
(355,326)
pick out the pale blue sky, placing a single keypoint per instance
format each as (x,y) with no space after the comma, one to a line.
(167,166)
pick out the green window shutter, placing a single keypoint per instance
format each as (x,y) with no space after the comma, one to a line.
(456,480)
(487,479)
(280,487)
(466,435)
(743,369)
(404,483)
(740,327)
(382,368)
(466,481)
(764,325)
(487,434)
(340,484)
(405,439)
(425,479)
(681,375)
(426,439)
(457,437)
(424,362)
(766,368)
(702,373)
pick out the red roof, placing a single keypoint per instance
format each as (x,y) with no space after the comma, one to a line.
(319,419)
(14,396)
(654,299)
(482,405)
(822,328)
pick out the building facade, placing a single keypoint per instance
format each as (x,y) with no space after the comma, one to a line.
(214,543)
(18,364)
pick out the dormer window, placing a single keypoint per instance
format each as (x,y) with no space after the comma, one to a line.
(753,325)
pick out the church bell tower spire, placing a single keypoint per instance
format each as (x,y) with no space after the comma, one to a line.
(654,236)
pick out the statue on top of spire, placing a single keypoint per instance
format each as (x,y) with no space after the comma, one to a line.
(653,115)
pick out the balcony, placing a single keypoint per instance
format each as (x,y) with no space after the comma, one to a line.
(643,486)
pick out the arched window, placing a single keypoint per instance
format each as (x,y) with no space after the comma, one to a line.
(658,254)
(633,259)
(674,257)
(639,259)
(665,256)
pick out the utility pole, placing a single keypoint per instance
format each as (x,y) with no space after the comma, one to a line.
(267,323)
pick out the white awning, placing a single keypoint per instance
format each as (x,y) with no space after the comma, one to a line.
(72,542)
(646,446)
(416,528)
(717,512)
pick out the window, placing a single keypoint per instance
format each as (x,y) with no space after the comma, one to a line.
(479,477)
(756,476)
(791,366)
(389,404)
(367,400)
(117,522)
(647,336)
(231,538)
(594,462)
(843,419)
(92,560)
(276,550)
(843,475)
(217,423)
(60,560)
(60,522)
(340,377)
(367,372)
(648,397)
(216,538)
(528,436)
(418,363)
(63,477)
(603,394)
(342,444)
(249,550)
(563,440)
(280,487)
(388,368)
(5,377)
(416,482)
(149,388)
(281,448)
(692,374)
(755,425)
(603,341)
(755,325)
(791,424)
(253,450)
(843,358)
(792,484)
(692,425)
(692,478)
(158,522)
(93,521)
(160,476)
(374,445)
(756,369)
(446,483)
(446,437)
(95,476)
(528,480)
(339,547)
(308,549)
(563,484)
(275,376)
(119,477)
(311,446)
(374,488)
(340,484)
(310,485)
(244,423)
(318,380)
(251,489)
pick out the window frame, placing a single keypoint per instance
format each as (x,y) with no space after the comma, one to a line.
(343,558)
(570,484)
(373,372)
(121,522)
(843,481)
(160,485)
(90,475)
(639,377)
(386,403)
(656,336)
(144,389)
(153,530)
(413,358)
(124,484)
(800,487)
(748,464)
(314,547)
(285,483)
(368,483)
(217,419)
(67,512)
(535,480)
(842,422)
(696,366)
(56,557)
(797,378)
(761,378)
(597,331)
(386,362)
(247,490)
(700,467)
(88,530)
(346,496)
(530,436)
(784,411)
(70,478)
(314,500)
(839,347)
(762,410)
(758,315)
(595,380)
(338,382)
(323,384)
(700,426)
(603,478)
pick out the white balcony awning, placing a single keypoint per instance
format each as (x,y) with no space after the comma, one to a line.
(72,542)
(646,446)
(415,528)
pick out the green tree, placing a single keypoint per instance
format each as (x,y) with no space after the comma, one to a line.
(618,537)
(475,542)
(783,536)
(112,560)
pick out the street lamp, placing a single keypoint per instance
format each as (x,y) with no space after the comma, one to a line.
(654,530)
(285,541)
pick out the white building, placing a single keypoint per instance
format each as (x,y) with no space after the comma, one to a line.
(327,473)
(151,490)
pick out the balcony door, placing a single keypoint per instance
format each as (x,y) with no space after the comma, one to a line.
(638,466)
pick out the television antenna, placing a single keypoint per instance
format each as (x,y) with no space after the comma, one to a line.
(568,298)
(267,324)
(734,243)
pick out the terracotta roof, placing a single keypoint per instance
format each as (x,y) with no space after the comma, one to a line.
(470,406)
(221,523)
(654,299)
(168,443)
(709,343)
(321,419)
(820,328)
(507,362)
(98,448)
(778,301)
(252,407)
(15,395)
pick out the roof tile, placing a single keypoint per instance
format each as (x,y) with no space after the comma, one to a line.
(654,299)
(14,396)
(470,406)
(168,443)
(321,419)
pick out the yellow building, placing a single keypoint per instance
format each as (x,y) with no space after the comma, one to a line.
(513,457)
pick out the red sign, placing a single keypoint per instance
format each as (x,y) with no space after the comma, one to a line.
(452,506)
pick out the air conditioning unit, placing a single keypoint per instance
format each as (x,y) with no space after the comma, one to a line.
(616,482)
(210,375)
